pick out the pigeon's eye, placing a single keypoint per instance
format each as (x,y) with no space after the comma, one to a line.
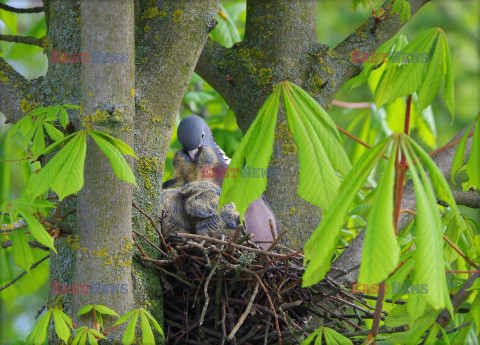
(203,135)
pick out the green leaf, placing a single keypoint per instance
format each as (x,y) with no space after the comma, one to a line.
(254,151)
(459,158)
(320,152)
(61,328)
(63,117)
(71,106)
(54,133)
(105,310)
(380,247)
(473,164)
(36,228)
(39,333)
(85,309)
(125,317)
(119,164)
(44,180)
(429,267)
(129,334)
(69,179)
(318,332)
(21,251)
(321,245)
(334,338)
(91,339)
(147,334)
(38,140)
(384,91)
(225,33)
(448,89)
(154,322)
(124,148)
(438,180)
(433,77)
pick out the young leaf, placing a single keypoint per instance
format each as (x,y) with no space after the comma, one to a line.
(91,339)
(36,228)
(321,245)
(334,338)
(429,266)
(431,82)
(39,140)
(114,155)
(255,150)
(85,309)
(48,175)
(39,333)
(61,327)
(54,133)
(63,117)
(448,89)
(105,310)
(69,179)
(473,164)
(147,334)
(129,334)
(380,247)
(124,148)
(317,332)
(154,322)
(21,252)
(459,157)
(125,317)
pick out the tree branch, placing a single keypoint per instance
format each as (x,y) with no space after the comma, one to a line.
(22,39)
(457,300)
(13,92)
(367,38)
(21,10)
(207,67)
(33,244)
(469,199)
(24,272)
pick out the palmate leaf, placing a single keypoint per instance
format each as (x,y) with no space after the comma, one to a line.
(433,77)
(321,245)
(39,333)
(332,337)
(429,267)
(147,334)
(129,334)
(42,182)
(380,247)
(61,326)
(255,150)
(320,153)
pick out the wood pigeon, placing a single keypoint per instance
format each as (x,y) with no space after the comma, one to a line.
(192,201)
(194,135)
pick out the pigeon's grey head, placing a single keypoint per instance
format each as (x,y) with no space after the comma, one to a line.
(193,132)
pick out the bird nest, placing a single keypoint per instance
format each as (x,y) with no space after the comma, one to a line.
(218,291)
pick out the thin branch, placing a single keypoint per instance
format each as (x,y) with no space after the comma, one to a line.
(466,258)
(462,294)
(24,272)
(22,39)
(32,244)
(21,10)
(469,199)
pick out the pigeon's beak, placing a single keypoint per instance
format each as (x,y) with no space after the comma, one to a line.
(192,154)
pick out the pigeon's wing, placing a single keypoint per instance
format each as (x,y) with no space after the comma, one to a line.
(257,218)
(169,183)
(202,204)
(177,220)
